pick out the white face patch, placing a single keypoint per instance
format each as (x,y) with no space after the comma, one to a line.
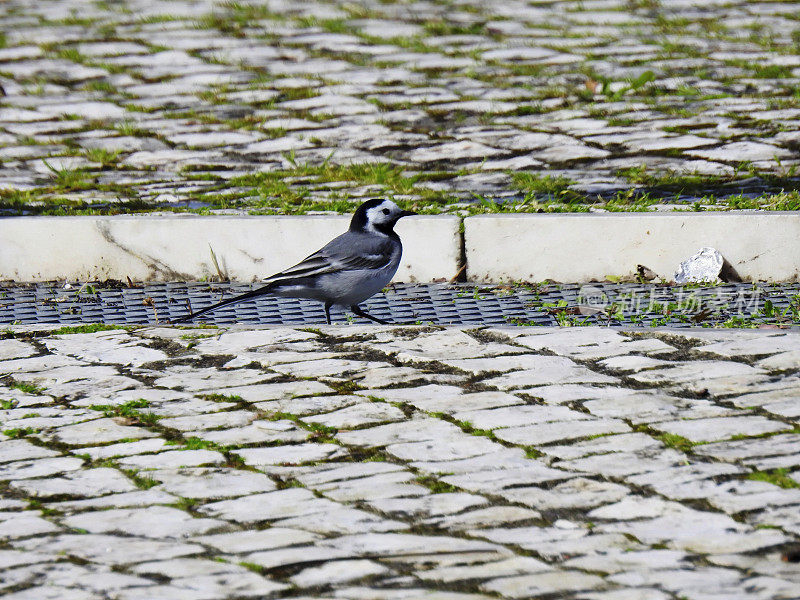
(385,212)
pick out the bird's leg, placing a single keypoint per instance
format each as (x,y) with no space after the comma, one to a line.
(328,312)
(361,313)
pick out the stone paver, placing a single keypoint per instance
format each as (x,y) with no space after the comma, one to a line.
(591,479)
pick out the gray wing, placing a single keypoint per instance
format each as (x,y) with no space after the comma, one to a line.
(348,252)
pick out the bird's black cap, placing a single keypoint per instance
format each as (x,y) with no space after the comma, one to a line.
(359,220)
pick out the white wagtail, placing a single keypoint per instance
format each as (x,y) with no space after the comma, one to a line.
(347,270)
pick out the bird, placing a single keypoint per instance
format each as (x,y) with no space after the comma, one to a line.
(346,271)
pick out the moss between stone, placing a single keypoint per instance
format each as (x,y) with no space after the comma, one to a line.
(19,432)
(779,477)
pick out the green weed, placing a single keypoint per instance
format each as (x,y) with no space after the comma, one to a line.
(222,398)
(467,427)
(678,442)
(779,477)
(186,503)
(93,328)
(129,410)
(436,486)
(143,482)
(102,155)
(28,388)
(19,432)
(541,184)
(196,443)
(531,452)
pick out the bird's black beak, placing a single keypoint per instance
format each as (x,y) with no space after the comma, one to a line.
(406,213)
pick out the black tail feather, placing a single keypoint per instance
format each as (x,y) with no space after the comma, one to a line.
(251,294)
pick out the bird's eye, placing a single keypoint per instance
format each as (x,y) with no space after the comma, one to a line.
(386,211)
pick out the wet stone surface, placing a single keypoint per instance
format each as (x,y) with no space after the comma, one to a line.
(280,106)
(587,463)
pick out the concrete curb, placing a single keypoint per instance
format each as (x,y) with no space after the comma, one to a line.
(164,248)
(523,247)
(579,247)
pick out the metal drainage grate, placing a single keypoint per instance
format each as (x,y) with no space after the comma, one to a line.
(438,304)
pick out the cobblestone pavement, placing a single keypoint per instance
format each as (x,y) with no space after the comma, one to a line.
(381,463)
(280,105)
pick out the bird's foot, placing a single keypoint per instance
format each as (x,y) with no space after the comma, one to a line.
(362,313)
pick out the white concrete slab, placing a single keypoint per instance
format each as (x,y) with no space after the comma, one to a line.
(163,248)
(580,247)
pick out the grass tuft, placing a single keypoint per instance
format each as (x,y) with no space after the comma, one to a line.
(28,388)
(143,482)
(436,486)
(93,328)
(779,477)
(129,410)
(19,432)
